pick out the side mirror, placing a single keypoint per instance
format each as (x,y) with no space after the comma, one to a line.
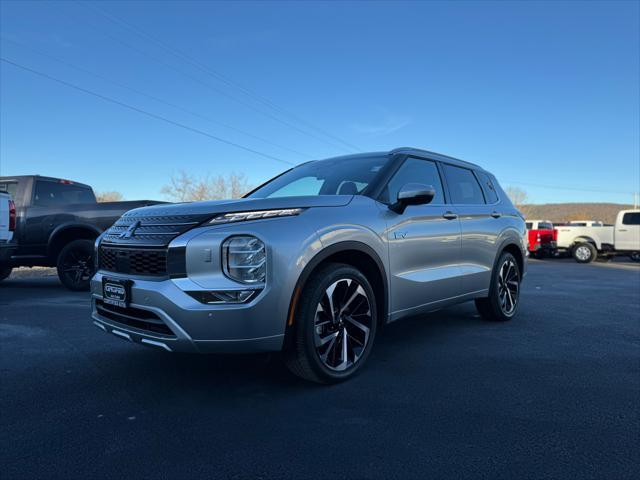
(413,194)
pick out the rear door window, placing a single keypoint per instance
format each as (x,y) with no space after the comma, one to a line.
(463,186)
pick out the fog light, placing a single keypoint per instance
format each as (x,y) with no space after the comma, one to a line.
(223,296)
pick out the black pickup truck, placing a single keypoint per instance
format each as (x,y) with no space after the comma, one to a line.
(57,222)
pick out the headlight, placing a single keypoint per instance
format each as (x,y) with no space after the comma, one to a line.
(256,215)
(244,259)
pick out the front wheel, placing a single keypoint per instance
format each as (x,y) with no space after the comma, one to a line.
(585,253)
(75,265)
(504,293)
(635,257)
(335,325)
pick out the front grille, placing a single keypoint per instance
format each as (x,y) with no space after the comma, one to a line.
(150,230)
(134,261)
(134,318)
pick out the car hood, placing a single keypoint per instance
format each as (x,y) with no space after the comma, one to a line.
(240,205)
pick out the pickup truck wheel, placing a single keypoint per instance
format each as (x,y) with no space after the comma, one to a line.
(635,257)
(504,293)
(335,325)
(584,253)
(75,265)
(5,272)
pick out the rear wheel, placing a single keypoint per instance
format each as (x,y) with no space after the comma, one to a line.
(75,265)
(635,257)
(504,293)
(584,253)
(335,325)
(5,272)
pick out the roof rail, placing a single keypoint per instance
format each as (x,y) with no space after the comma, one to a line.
(434,155)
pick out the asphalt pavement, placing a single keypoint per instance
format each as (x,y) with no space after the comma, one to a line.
(555,393)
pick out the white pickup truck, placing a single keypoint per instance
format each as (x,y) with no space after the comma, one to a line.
(7,226)
(586,239)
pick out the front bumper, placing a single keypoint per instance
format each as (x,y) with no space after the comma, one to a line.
(163,315)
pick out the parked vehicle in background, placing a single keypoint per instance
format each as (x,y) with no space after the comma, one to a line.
(7,226)
(541,238)
(313,261)
(56,224)
(586,239)
(627,234)
(586,223)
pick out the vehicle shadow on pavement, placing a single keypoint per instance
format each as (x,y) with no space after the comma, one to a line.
(49,283)
(193,374)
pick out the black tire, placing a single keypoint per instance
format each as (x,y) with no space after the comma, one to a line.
(304,356)
(635,257)
(5,272)
(495,306)
(584,252)
(75,265)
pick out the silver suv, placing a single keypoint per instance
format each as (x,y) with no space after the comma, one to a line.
(314,261)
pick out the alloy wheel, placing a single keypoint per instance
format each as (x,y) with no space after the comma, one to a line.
(508,287)
(342,324)
(78,266)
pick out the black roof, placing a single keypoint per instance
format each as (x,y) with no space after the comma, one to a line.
(435,156)
(412,151)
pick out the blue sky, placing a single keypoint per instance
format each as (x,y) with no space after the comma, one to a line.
(540,93)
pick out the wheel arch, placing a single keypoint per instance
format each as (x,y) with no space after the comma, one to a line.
(514,250)
(356,254)
(584,239)
(68,232)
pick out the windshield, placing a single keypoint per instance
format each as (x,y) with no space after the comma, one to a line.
(338,176)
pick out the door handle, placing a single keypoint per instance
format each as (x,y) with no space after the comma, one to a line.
(622,229)
(449,215)
(496,214)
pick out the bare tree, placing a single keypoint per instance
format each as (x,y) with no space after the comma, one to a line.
(183,187)
(111,196)
(179,188)
(517,196)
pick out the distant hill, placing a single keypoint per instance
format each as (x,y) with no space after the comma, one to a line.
(564,212)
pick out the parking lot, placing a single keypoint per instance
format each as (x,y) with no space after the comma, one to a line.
(555,393)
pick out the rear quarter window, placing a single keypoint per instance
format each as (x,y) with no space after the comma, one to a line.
(487,187)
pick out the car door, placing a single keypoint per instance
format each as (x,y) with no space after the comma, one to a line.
(424,243)
(480,224)
(627,235)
